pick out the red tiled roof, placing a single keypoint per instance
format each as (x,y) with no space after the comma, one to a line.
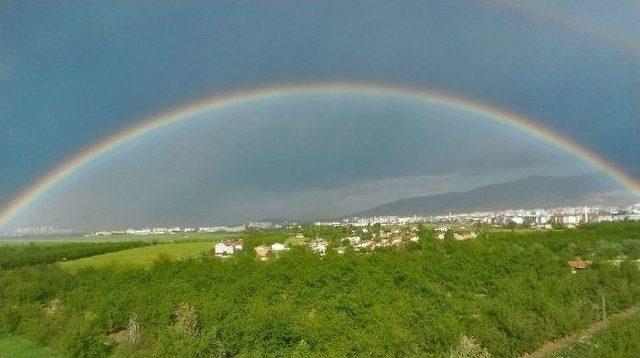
(579,264)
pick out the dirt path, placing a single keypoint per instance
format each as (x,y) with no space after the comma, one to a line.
(552,346)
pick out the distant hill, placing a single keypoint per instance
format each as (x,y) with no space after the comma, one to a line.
(529,192)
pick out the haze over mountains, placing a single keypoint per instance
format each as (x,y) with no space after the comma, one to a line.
(529,192)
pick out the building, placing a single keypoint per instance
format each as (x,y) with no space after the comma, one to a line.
(213,229)
(138,232)
(237,244)
(517,220)
(579,265)
(262,252)
(464,235)
(228,247)
(277,247)
(319,246)
(260,225)
(223,249)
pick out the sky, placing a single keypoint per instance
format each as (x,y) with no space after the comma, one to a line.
(74,73)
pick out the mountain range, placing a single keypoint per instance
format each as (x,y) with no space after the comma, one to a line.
(528,192)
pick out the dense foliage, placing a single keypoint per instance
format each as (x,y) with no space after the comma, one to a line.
(13,256)
(620,339)
(507,293)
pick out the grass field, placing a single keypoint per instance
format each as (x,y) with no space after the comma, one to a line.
(18,347)
(16,256)
(142,256)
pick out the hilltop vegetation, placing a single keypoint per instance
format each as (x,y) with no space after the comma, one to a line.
(533,191)
(506,292)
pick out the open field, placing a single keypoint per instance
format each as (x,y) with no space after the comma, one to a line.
(15,256)
(18,347)
(143,256)
(510,292)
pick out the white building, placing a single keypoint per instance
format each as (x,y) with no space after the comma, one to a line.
(277,247)
(138,232)
(213,229)
(263,252)
(223,249)
(465,235)
(571,219)
(319,246)
(517,220)
(235,229)
(159,230)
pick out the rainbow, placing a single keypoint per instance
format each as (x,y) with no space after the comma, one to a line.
(513,120)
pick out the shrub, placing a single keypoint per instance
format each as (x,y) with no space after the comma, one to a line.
(186,319)
(469,348)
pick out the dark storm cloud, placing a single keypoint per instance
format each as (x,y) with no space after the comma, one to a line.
(300,156)
(77,72)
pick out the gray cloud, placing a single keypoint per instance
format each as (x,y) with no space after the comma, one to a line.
(297,157)
(74,74)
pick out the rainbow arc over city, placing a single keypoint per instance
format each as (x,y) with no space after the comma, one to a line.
(147,125)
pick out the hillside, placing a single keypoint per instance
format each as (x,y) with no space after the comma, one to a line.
(532,191)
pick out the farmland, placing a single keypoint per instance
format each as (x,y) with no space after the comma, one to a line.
(15,256)
(509,292)
(143,256)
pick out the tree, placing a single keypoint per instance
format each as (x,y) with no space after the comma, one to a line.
(449,234)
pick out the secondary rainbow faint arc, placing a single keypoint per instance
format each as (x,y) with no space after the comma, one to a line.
(490,112)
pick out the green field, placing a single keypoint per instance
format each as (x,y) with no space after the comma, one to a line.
(16,256)
(143,256)
(18,347)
